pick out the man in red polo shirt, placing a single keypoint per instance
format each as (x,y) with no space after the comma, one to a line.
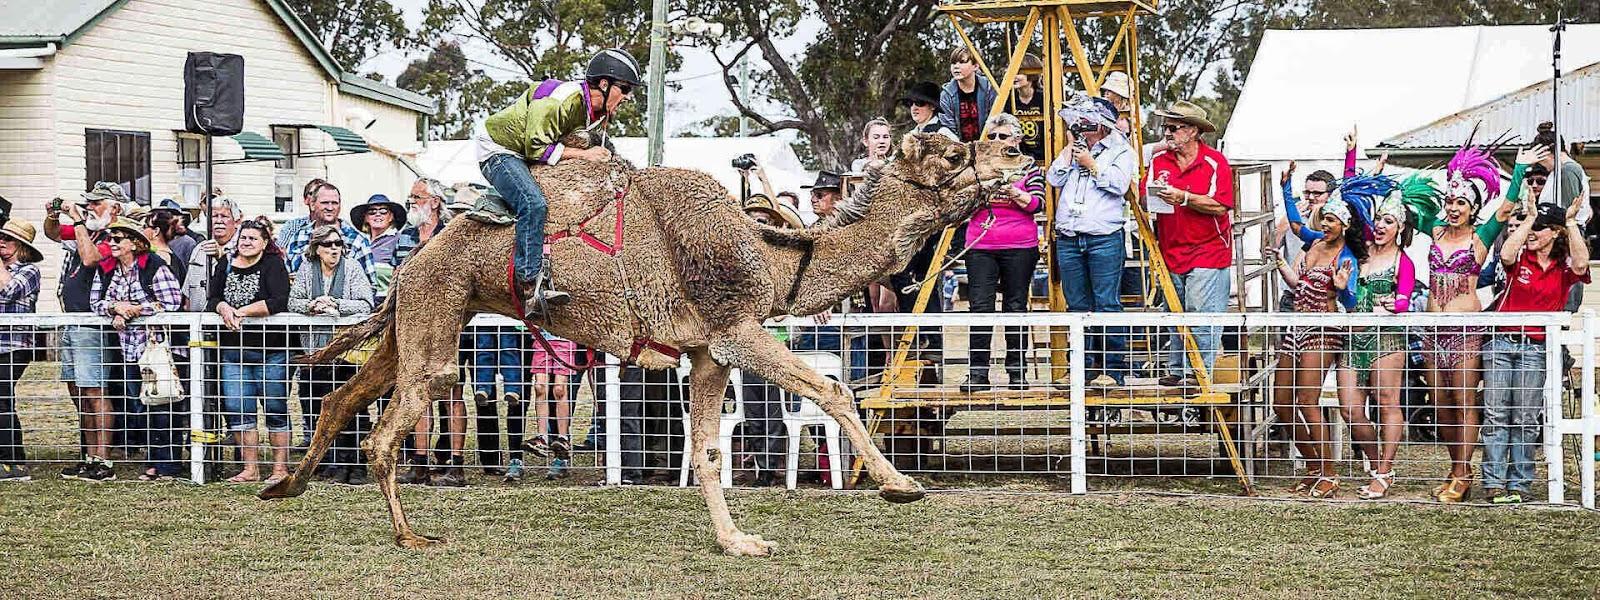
(1195,230)
(1544,257)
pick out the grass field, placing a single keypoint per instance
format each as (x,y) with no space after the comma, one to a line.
(169,540)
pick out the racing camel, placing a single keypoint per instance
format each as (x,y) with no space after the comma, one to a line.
(658,259)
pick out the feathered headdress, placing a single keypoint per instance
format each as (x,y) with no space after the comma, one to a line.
(1472,173)
(1362,192)
(1421,195)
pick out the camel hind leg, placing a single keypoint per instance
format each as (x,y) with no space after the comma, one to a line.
(749,347)
(338,407)
(413,396)
(707,383)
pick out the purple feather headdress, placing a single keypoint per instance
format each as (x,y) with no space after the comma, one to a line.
(1472,173)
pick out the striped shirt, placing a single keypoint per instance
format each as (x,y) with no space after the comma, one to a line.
(124,287)
(21,295)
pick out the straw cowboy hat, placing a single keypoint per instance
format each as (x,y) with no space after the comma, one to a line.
(22,232)
(129,226)
(780,213)
(1187,112)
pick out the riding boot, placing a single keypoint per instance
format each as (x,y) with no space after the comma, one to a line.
(537,295)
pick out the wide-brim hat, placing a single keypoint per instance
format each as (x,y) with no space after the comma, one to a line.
(131,226)
(779,211)
(926,92)
(396,210)
(1188,112)
(1118,83)
(825,180)
(23,233)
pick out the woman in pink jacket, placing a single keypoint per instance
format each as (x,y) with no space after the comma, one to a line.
(1003,243)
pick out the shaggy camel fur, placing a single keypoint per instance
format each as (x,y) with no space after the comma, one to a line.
(694,273)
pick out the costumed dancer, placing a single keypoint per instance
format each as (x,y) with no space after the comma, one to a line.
(1324,276)
(1376,363)
(1459,250)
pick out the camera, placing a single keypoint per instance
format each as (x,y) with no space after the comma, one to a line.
(1082,127)
(745,162)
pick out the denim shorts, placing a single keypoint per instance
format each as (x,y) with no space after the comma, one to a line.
(252,380)
(83,356)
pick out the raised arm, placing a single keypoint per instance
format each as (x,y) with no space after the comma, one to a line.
(1511,249)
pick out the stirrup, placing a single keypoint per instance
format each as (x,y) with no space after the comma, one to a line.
(1385,479)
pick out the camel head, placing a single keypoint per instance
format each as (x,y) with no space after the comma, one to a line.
(948,180)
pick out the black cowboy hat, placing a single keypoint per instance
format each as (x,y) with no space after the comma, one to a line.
(825,180)
(925,92)
(359,213)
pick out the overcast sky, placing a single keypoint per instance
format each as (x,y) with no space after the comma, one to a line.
(701,95)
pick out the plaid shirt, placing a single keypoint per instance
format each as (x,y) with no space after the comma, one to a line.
(296,235)
(124,287)
(19,296)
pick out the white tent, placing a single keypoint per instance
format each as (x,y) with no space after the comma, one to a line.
(1306,88)
(455,161)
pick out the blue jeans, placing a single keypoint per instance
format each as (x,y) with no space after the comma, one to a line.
(1513,406)
(509,175)
(1200,291)
(498,353)
(1091,281)
(250,377)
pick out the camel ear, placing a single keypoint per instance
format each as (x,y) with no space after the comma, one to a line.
(911,146)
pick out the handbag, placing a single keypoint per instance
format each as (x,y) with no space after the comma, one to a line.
(362,352)
(162,385)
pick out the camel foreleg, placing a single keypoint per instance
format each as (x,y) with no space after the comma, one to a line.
(751,348)
(412,397)
(707,382)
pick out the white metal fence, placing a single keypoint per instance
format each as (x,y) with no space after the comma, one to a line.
(1044,415)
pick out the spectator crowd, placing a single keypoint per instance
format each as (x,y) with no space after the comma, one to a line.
(125,261)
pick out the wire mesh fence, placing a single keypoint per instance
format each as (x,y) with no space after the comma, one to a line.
(1408,406)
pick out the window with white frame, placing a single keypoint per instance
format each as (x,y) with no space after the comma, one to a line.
(191,168)
(288,139)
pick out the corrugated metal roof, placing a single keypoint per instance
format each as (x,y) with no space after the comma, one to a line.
(47,19)
(1519,113)
(1307,87)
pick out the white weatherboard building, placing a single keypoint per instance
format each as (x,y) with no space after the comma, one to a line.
(92,90)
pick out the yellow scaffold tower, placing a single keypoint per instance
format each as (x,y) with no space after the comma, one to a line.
(1054,25)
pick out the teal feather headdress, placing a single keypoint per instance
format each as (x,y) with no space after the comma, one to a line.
(1421,195)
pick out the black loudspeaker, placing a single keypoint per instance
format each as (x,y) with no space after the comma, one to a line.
(213,93)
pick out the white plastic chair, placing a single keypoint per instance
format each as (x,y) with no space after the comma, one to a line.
(724,432)
(809,414)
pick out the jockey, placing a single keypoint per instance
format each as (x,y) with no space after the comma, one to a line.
(529,132)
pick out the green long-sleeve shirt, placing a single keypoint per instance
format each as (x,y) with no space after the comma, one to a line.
(534,125)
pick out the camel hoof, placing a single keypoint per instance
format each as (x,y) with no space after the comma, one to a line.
(288,487)
(417,542)
(745,544)
(902,494)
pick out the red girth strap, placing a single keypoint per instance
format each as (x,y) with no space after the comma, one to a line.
(578,230)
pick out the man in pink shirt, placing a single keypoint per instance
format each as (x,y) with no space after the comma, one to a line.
(1196,233)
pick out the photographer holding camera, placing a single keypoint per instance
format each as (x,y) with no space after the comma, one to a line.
(1094,173)
(746,165)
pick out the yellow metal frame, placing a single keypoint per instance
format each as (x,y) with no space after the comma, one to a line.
(1055,20)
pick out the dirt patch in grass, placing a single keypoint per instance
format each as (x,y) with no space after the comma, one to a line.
(74,540)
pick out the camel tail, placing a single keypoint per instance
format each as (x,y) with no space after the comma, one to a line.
(374,378)
(380,322)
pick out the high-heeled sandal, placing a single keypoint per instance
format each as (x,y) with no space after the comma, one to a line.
(1456,490)
(1318,492)
(1383,480)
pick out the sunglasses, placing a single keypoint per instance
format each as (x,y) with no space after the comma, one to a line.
(1537,180)
(1000,136)
(378,211)
(1169,128)
(626,89)
(331,244)
(115,238)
